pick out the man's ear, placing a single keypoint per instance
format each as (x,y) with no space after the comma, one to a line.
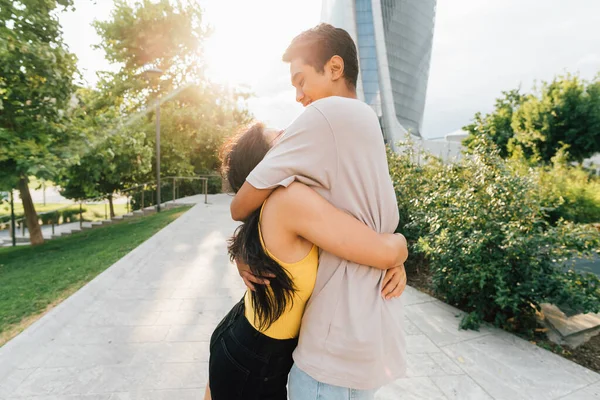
(336,66)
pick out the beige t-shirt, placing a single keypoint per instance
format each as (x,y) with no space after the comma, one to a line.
(350,336)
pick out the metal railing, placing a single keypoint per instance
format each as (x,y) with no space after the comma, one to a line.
(21,225)
(175,189)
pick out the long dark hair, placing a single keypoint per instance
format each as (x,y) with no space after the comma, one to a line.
(239,157)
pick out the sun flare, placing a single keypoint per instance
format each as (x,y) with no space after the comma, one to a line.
(247,42)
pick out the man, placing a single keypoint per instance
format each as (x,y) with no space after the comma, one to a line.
(351,340)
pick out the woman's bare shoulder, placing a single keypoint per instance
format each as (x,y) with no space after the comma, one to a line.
(291,201)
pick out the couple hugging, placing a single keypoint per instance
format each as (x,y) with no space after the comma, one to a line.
(322,317)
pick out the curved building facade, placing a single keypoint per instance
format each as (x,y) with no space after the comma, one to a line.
(394,40)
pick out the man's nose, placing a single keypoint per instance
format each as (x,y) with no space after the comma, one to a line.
(299,95)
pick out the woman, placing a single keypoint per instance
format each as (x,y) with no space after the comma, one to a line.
(251,349)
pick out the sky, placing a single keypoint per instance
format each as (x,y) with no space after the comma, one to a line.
(480,48)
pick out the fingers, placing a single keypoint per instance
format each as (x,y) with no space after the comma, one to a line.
(259,280)
(389,287)
(248,284)
(386,279)
(394,283)
(250,280)
(243,267)
(398,290)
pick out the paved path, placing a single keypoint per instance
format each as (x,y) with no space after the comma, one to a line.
(140,331)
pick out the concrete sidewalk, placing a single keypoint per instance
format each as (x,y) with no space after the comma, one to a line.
(140,330)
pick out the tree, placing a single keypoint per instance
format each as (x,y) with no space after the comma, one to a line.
(496,126)
(165,34)
(196,115)
(563,112)
(115,155)
(194,125)
(566,111)
(35,91)
(112,165)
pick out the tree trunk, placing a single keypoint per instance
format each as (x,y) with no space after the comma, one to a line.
(112,207)
(31,218)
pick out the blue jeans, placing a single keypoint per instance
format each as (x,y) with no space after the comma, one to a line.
(302,387)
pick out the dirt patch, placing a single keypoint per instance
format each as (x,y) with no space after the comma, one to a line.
(417,274)
(587,355)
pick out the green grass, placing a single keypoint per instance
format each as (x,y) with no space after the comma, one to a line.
(32,279)
(94,212)
(39,208)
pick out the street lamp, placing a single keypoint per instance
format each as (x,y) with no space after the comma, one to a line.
(12,218)
(153,71)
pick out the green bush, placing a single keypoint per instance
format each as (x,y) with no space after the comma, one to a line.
(149,198)
(5,219)
(569,192)
(483,231)
(565,191)
(191,187)
(71,214)
(50,217)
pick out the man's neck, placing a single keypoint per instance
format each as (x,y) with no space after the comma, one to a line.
(349,95)
(345,92)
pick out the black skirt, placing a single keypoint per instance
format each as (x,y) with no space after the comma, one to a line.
(246,364)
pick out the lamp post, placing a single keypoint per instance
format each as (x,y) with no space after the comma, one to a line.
(12,218)
(156,72)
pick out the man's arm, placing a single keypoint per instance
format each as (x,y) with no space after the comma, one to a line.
(318,221)
(306,152)
(312,217)
(247,200)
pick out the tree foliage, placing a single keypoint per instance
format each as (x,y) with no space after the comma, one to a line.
(36,85)
(496,126)
(100,141)
(35,88)
(195,115)
(483,230)
(162,34)
(565,111)
(111,166)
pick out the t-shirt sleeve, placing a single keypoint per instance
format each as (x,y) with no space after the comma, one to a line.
(306,152)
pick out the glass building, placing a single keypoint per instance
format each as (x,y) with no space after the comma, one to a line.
(394,40)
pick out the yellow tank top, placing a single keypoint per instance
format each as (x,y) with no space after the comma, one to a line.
(304,275)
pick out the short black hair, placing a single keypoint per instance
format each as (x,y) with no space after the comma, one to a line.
(316,46)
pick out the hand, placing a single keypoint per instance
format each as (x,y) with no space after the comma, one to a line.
(394,282)
(249,278)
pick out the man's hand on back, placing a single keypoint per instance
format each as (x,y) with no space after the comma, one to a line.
(249,278)
(394,282)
